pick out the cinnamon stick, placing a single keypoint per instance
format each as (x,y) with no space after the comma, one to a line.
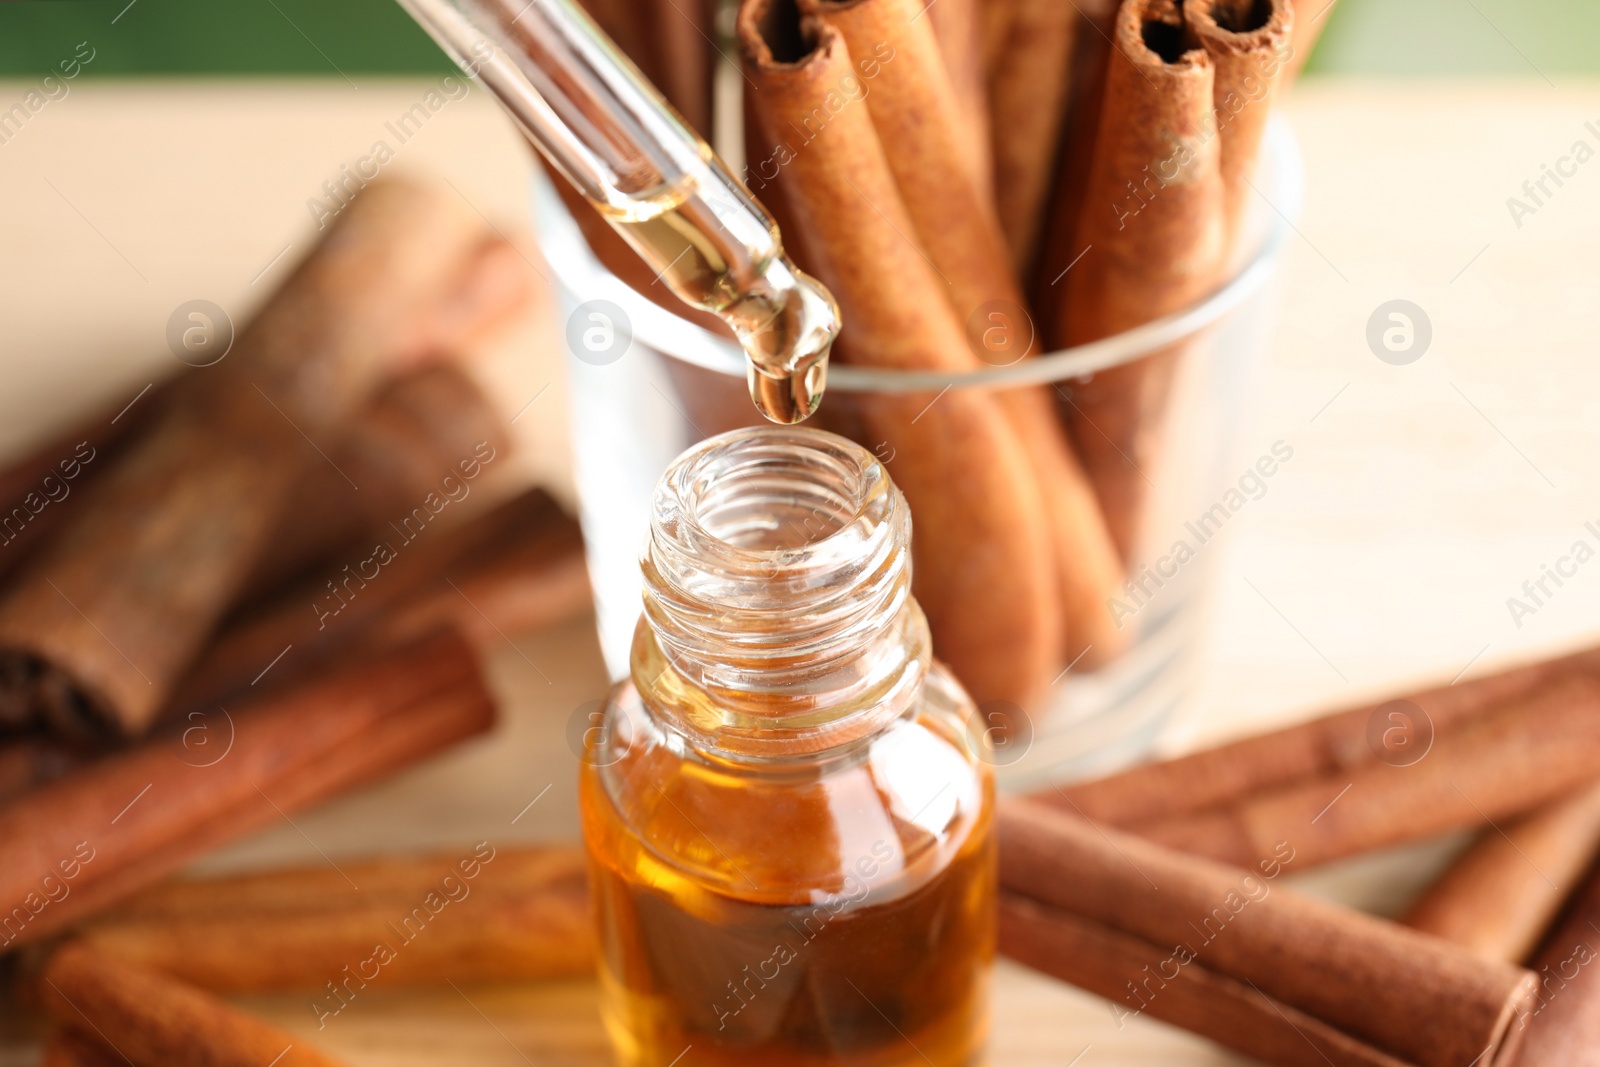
(1527,753)
(1412,997)
(1565,1025)
(958,28)
(1499,897)
(152,1020)
(516,568)
(671,43)
(409,444)
(1028,98)
(80,843)
(985,562)
(68,1048)
(1154,223)
(1249,45)
(1140,978)
(496,287)
(1062,250)
(489,915)
(1330,744)
(911,101)
(34,489)
(28,762)
(103,622)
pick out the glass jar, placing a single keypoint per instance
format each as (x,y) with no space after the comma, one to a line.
(661,383)
(788,819)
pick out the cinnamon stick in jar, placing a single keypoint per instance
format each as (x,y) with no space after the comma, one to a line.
(152,1020)
(1527,753)
(954,223)
(985,564)
(958,26)
(1153,221)
(1060,249)
(1498,898)
(1029,91)
(1410,996)
(84,841)
(1249,45)
(1329,744)
(478,914)
(100,626)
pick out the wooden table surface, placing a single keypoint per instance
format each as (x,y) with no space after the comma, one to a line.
(1419,498)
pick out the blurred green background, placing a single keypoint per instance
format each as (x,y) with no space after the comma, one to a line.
(325,37)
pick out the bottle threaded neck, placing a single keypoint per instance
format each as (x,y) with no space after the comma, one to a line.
(778,615)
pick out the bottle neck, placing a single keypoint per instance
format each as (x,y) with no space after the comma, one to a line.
(778,617)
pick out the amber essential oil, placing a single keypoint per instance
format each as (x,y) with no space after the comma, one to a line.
(788,825)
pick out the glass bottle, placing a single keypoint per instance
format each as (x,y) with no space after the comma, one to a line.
(789,828)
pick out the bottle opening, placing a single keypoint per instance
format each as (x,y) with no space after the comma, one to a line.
(777,592)
(776,495)
(777,517)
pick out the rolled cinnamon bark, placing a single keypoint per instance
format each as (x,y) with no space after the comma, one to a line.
(953,220)
(29,762)
(906,81)
(1410,996)
(82,842)
(958,28)
(1061,251)
(68,1048)
(489,915)
(406,445)
(1327,745)
(103,622)
(1140,978)
(507,591)
(1154,225)
(1028,95)
(151,1020)
(516,568)
(985,562)
(35,489)
(1565,1025)
(1499,897)
(1527,753)
(1249,45)
(496,287)
(670,41)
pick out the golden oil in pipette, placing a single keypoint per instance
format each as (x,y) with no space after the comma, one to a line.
(784,320)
